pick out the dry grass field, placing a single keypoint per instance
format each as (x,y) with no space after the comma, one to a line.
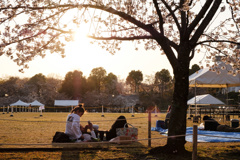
(34,134)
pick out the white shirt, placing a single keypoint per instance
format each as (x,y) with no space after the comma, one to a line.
(73,126)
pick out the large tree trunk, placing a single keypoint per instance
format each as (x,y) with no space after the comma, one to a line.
(177,122)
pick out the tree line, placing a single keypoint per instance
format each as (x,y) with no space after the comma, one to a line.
(94,90)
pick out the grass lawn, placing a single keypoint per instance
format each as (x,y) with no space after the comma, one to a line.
(29,128)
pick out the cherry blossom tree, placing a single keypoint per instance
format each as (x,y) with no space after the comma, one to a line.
(122,87)
(178,29)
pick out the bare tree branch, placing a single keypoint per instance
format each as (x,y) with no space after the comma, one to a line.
(62,31)
(233,17)
(121,38)
(183,19)
(161,22)
(217,41)
(206,21)
(172,13)
(199,16)
(9,18)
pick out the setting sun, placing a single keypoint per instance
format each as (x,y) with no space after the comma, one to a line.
(85,55)
(81,34)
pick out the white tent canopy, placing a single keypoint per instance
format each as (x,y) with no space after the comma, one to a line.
(19,103)
(36,103)
(205,99)
(66,102)
(206,78)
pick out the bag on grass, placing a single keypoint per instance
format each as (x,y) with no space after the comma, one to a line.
(61,137)
(132,132)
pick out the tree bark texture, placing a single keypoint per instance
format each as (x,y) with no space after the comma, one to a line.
(177,123)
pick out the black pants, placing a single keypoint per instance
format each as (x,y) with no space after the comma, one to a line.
(212,125)
(225,128)
(119,123)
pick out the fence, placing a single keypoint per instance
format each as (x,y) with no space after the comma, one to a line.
(217,111)
(103,109)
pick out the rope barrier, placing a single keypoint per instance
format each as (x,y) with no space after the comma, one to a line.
(60,107)
(107,142)
(65,121)
(135,109)
(67,107)
(93,107)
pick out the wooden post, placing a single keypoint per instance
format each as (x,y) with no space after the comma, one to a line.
(11,111)
(102,112)
(233,112)
(149,128)
(3,110)
(41,113)
(155,110)
(213,112)
(132,111)
(210,111)
(223,114)
(200,115)
(194,152)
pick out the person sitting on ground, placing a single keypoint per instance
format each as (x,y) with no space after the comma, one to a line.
(212,125)
(73,124)
(85,129)
(93,131)
(119,123)
(165,126)
(88,137)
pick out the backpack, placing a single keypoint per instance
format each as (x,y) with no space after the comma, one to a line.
(61,137)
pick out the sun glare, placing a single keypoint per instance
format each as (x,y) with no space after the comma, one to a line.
(81,34)
(83,55)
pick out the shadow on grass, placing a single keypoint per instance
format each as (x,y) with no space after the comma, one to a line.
(68,155)
(134,151)
(109,151)
(87,151)
(229,152)
(102,151)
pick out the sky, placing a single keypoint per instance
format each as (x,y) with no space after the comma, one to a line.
(83,56)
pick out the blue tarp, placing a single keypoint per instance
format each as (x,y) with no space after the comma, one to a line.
(202,138)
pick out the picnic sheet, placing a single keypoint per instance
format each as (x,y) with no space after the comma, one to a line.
(202,138)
